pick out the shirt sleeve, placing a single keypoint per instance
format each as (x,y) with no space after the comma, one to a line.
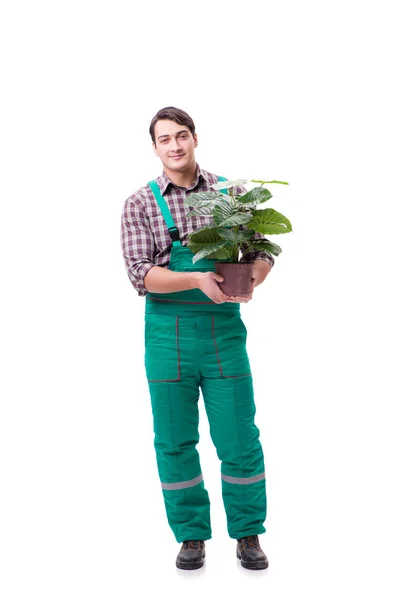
(253,254)
(137,243)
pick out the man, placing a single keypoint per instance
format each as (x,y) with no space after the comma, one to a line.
(194,339)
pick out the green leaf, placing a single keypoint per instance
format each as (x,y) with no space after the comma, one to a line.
(207,227)
(265,245)
(256,195)
(233,236)
(227,234)
(201,198)
(228,199)
(225,185)
(223,211)
(203,211)
(230,214)
(269,221)
(246,234)
(274,181)
(236,219)
(218,250)
(203,236)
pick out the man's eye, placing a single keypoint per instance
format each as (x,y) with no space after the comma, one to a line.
(184,136)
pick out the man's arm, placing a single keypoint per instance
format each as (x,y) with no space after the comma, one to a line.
(137,243)
(162,281)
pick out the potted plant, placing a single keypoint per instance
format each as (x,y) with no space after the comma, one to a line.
(235,220)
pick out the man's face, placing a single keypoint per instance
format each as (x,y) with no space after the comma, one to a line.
(174,145)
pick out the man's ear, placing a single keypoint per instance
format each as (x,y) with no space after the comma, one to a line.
(155,150)
(195,140)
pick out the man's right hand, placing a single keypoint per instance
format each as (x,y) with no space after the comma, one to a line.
(207,283)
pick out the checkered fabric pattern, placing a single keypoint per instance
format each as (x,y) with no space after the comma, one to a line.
(145,239)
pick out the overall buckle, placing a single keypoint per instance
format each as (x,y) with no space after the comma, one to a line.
(174,233)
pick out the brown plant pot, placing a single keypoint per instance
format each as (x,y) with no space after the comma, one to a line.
(237,277)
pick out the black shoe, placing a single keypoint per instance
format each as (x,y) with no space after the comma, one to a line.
(191,555)
(249,552)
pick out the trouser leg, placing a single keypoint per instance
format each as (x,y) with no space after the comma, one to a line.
(227,389)
(174,391)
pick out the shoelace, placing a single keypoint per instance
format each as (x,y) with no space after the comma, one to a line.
(251,542)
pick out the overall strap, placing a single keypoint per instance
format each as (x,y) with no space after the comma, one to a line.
(222,179)
(166,213)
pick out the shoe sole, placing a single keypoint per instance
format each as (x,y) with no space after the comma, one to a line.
(190,566)
(255,566)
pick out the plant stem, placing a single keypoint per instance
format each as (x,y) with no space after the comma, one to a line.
(235,248)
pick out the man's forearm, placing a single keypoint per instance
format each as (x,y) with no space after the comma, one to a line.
(261,268)
(163,281)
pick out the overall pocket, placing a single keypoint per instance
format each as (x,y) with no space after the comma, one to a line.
(162,356)
(229,335)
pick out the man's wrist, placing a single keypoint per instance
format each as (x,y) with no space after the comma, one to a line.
(194,279)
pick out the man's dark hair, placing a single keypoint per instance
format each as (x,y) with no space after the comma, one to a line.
(172,114)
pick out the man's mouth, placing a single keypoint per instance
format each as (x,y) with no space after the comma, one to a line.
(177,156)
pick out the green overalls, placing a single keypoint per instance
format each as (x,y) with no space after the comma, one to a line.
(192,342)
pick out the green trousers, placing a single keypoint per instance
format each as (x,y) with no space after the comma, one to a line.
(186,352)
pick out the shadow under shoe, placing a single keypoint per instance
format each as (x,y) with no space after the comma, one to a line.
(249,551)
(191,555)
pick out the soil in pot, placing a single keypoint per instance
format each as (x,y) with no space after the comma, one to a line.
(237,277)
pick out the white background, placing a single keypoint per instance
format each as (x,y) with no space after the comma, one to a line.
(301,91)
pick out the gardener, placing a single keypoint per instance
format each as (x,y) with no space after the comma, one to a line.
(194,338)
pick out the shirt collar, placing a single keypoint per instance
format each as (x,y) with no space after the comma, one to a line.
(164,181)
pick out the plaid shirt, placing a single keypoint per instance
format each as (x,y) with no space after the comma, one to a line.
(145,238)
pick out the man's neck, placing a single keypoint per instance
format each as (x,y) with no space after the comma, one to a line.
(184,179)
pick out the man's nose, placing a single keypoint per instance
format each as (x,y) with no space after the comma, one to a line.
(175,145)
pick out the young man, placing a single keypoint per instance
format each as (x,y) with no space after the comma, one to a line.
(194,339)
